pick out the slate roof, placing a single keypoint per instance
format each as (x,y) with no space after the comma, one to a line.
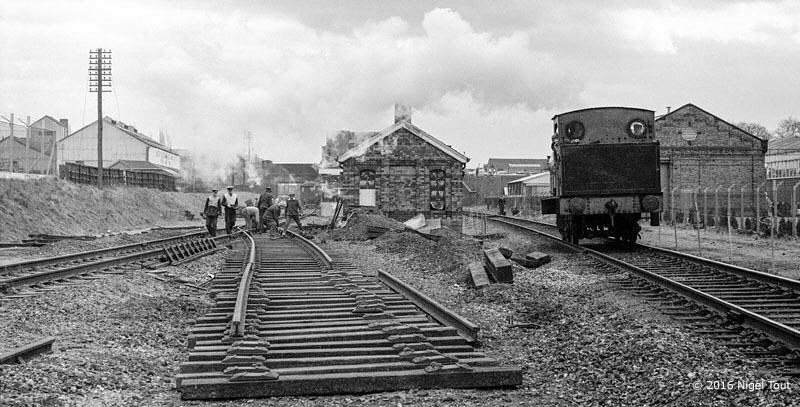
(784,145)
(137,165)
(301,170)
(517,164)
(362,148)
(129,131)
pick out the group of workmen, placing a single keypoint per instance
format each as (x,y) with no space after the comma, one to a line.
(264,214)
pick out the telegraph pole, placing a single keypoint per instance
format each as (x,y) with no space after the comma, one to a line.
(99,77)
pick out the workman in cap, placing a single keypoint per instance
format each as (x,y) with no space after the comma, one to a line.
(263,203)
(230,201)
(211,212)
(293,209)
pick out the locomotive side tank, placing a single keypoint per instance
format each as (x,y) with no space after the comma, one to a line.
(604,173)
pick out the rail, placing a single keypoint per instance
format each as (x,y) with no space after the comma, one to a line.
(10,268)
(33,349)
(439,312)
(315,250)
(774,329)
(240,309)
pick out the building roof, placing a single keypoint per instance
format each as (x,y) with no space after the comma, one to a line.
(516,164)
(784,145)
(137,165)
(533,179)
(402,124)
(301,170)
(664,116)
(129,130)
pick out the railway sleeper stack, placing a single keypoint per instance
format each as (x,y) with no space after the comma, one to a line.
(313,331)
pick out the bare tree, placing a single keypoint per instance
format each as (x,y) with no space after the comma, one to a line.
(755,129)
(788,127)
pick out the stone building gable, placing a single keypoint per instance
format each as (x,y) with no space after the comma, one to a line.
(711,131)
(403,145)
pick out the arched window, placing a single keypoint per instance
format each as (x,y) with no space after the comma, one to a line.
(437,183)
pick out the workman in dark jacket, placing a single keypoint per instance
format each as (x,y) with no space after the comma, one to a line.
(501,203)
(211,212)
(263,203)
(230,201)
(293,209)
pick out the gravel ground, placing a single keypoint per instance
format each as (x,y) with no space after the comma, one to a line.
(120,339)
(578,339)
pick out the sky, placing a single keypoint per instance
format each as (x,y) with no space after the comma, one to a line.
(484,77)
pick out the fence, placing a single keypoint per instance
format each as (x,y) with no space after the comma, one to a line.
(526,205)
(772,205)
(84,174)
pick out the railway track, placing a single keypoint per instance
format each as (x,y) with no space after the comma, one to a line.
(291,320)
(36,273)
(737,305)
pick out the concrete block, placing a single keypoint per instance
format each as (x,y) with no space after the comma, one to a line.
(538,258)
(499,267)
(478,274)
(523,261)
(506,252)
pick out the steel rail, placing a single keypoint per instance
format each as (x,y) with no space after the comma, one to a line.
(240,308)
(87,267)
(33,349)
(313,249)
(439,312)
(13,267)
(772,328)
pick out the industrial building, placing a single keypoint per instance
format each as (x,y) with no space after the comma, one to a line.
(704,153)
(120,142)
(31,149)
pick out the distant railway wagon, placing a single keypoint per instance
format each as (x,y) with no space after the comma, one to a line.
(604,173)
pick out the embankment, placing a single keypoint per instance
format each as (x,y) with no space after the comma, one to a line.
(60,207)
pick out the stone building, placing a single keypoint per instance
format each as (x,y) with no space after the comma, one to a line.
(698,149)
(404,171)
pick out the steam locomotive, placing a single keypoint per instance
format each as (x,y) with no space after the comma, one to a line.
(604,173)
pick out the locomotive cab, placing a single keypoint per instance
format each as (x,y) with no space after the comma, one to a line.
(605,173)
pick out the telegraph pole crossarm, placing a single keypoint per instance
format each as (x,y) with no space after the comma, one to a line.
(99,77)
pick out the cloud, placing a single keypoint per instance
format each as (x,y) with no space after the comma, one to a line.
(207,75)
(661,28)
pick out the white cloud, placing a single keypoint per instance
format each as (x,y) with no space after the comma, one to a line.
(749,22)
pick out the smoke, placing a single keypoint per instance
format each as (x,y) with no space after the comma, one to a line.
(253,176)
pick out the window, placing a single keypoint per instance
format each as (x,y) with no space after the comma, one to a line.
(437,181)
(366,179)
(366,188)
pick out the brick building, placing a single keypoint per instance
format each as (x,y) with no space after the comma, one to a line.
(404,171)
(698,149)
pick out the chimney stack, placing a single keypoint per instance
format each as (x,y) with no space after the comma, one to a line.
(402,112)
(668,109)
(65,123)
